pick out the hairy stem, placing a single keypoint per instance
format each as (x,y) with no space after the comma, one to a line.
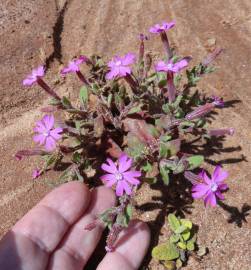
(47,88)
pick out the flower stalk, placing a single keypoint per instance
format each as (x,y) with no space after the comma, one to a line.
(200,111)
(47,88)
(82,77)
(166,44)
(221,132)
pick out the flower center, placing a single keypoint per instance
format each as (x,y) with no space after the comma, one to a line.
(118,63)
(118,176)
(214,187)
(46,134)
(169,66)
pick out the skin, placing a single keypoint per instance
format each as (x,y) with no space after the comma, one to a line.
(51,236)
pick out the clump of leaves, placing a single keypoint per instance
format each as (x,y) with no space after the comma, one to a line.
(145,116)
(182,243)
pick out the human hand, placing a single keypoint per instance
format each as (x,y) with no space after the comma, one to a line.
(52,236)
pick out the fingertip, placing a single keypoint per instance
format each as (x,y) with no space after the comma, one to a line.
(102,198)
(130,248)
(70,199)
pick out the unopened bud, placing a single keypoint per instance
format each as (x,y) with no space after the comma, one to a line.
(221,132)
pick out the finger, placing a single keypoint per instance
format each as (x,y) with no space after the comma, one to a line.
(38,233)
(78,244)
(130,248)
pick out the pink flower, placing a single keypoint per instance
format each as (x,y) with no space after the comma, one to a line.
(47,134)
(119,66)
(73,65)
(157,28)
(211,187)
(119,175)
(36,173)
(170,66)
(218,101)
(34,76)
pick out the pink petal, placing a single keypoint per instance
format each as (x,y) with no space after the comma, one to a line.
(29,81)
(126,187)
(123,71)
(180,65)
(55,133)
(219,195)
(128,59)
(50,144)
(48,121)
(199,190)
(219,175)
(111,168)
(124,163)
(223,186)
(132,174)
(119,189)
(40,138)
(132,180)
(109,178)
(161,66)
(36,173)
(168,26)
(40,127)
(205,177)
(39,72)
(130,177)
(153,30)
(210,199)
(112,74)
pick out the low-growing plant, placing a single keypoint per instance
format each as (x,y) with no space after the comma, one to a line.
(136,122)
(182,243)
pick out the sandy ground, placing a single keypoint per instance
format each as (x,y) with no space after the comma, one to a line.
(33,31)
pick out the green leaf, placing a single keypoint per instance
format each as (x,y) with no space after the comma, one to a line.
(66,103)
(193,239)
(83,95)
(54,102)
(195,161)
(165,138)
(179,263)
(182,245)
(122,220)
(49,160)
(165,252)
(109,100)
(105,217)
(129,211)
(162,83)
(76,157)
(190,246)
(170,265)
(151,180)
(186,235)
(173,222)
(187,223)
(163,150)
(202,251)
(79,176)
(147,167)
(164,172)
(167,108)
(135,109)
(177,101)
(180,229)
(174,238)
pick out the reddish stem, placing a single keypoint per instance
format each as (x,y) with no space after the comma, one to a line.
(166,44)
(47,88)
(82,78)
